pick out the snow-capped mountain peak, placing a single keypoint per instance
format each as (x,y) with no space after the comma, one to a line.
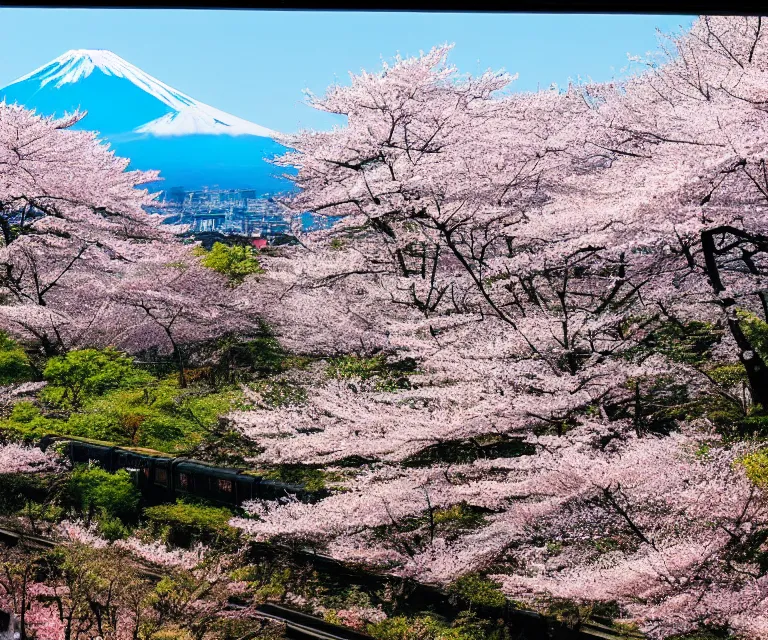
(185,115)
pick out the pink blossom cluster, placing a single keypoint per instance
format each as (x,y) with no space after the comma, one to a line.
(155,552)
(529,251)
(17,458)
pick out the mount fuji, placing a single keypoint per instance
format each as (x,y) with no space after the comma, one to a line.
(158,127)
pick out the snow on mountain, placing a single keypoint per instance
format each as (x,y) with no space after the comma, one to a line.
(158,127)
(185,114)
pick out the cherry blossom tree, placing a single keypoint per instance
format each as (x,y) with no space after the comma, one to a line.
(70,214)
(528,251)
(687,135)
(16,458)
(173,304)
(83,263)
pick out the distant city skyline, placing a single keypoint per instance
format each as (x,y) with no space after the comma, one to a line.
(255,64)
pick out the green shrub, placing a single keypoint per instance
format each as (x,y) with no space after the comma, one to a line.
(235,262)
(184,522)
(728,375)
(14,363)
(110,495)
(376,372)
(756,331)
(457,518)
(263,356)
(756,467)
(112,528)
(689,343)
(479,591)
(430,627)
(16,489)
(27,422)
(570,612)
(82,374)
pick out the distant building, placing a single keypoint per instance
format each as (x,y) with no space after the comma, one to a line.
(255,205)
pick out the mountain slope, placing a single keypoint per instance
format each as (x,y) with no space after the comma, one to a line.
(152,123)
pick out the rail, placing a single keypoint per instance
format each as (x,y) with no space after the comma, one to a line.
(301,626)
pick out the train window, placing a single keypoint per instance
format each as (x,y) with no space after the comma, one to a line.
(161,476)
(183,481)
(146,471)
(225,485)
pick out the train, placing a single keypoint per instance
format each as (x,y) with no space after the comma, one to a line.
(164,478)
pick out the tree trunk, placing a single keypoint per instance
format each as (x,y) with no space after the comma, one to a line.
(757,373)
(182,374)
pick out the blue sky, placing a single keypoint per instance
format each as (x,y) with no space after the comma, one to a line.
(254,64)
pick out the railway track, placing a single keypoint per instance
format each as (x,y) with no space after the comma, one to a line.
(301,626)
(298,625)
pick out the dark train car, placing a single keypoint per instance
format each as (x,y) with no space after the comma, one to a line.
(83,450)
(161,477)
(153,470)
(217,484)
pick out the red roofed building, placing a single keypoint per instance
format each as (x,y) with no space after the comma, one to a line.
(259,243)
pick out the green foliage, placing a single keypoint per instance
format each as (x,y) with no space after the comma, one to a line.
(260,357)
(273,580)
(728,375)
(45,511)
(479,591)
(16,489)
(627,629)
(235,262)
(756,467)
(157,415)
(431,627)
(82,374)
(275,587)
(14,363)
(27,423)
(570,612)
(605,544)
(112,528)
(416,532)
(171,634)
(756,331)
(184,522)
(375,372)
(458,517)
(111,495)
(655,405)
(553,548)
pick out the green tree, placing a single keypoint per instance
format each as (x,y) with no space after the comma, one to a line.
(235,262)
(88,372)
(14,363)
(93,490)
(184,522)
